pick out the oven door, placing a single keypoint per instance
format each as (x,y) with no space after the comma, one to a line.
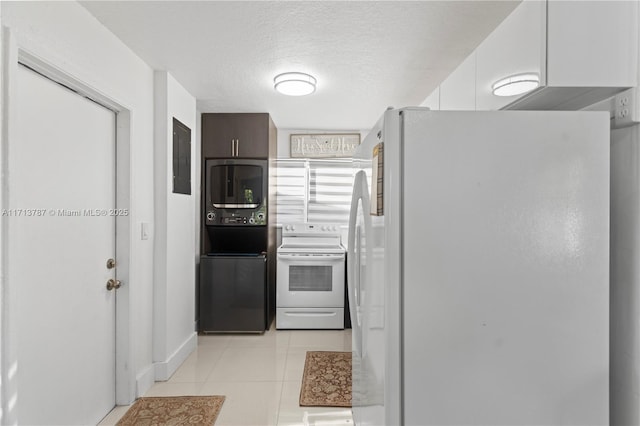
(310,280)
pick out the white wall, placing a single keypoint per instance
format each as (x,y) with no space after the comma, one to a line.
(67,37)
(174,336)
(7,386)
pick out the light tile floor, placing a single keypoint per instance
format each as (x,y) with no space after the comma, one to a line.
(260,375)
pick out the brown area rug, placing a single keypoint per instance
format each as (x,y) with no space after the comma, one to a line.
(326,381)
(173,410)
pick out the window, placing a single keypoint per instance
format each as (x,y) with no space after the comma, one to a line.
(316,191)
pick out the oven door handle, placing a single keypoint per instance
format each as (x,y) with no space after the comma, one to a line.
(311,257)
(311,314)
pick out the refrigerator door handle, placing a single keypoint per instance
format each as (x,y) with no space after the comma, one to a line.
(360,196)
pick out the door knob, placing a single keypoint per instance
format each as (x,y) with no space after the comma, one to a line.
(113,284)
(111,263)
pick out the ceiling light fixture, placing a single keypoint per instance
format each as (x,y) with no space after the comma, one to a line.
(516,84)
(294,83)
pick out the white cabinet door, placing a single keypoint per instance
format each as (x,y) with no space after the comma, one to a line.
(458,91)
(516,46)
(592,44)
(583,52)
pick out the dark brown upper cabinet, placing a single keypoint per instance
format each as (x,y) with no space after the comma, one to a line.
(242,135)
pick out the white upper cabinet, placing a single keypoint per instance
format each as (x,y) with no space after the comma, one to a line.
(458,91)
(433,100)
(582,51)
(515,47)
(591,43)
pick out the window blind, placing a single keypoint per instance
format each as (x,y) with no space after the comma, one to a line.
(330,187)
(291,191)
(316,191)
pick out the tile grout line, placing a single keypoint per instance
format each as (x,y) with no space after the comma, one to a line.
(223,352)
(284,372)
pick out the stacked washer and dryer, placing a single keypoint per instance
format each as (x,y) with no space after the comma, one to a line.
(310,285)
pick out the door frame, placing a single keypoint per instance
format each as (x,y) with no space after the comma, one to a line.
(11,54)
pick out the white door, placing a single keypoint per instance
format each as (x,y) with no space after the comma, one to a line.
(61,234)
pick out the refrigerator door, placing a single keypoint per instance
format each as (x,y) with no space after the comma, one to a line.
(376,359)
(505,258)
(367,289)
(377,335)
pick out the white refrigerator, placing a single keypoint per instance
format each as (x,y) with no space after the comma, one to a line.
(478,269)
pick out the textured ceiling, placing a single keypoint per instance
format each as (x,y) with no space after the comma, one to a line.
(366,55)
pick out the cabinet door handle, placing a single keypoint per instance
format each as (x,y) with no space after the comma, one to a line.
(235,147)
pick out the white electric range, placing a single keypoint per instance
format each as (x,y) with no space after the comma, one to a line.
(310,286)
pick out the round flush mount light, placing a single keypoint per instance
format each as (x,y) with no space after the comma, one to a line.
(294,83)
(516,84)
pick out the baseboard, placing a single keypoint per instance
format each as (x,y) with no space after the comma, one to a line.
(164,369)
(145,380)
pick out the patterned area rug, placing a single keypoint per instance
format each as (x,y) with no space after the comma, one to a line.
(173,410)
(326,381)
